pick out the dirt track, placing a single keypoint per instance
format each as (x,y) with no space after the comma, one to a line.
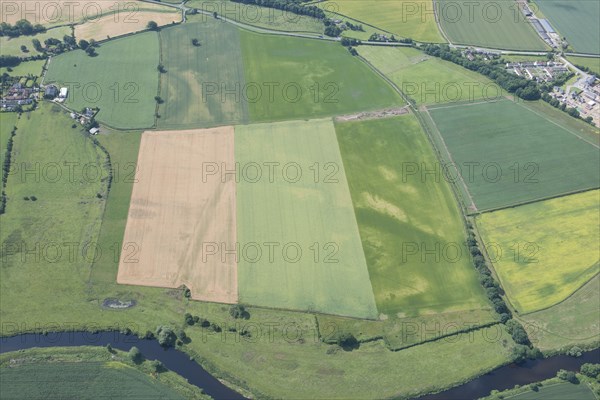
(174,216)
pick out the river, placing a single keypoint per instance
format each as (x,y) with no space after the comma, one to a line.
(502,378)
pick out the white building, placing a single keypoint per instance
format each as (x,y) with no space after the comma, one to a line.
(63,92)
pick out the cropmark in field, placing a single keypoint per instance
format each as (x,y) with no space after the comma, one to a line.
(505,153)
(203,83)
(175,218)
(417,263)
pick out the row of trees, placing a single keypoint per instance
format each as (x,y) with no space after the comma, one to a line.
(288,5)
(21,27)
(524,348)
(376,37)
(495,70)
(6,169)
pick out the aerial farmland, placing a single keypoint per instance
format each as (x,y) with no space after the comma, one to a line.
(291,199)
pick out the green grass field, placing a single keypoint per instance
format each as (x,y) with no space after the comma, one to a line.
(25,68)
(324,268)
(262,17)
(195,86)
(509,153)
(569,323)
(592,63)
(413,19)
(557,391)
(86,373)
(123,149)
(427,79)
(400,333)
(67,210)
(489,24)
(126,99)
(12,46)
(534,248)
(395,231)
(577,21)
(310,79)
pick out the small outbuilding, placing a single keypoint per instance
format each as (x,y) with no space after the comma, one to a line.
(94,131)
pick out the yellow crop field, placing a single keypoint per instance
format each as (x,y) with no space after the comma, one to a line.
(545,251)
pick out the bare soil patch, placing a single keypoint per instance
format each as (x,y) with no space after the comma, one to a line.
(176,217)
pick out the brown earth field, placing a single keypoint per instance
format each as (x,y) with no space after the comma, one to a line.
(177,218)
(63,12)
(120,24)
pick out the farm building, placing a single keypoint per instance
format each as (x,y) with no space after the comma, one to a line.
(63,93)
(94,131)
(50,92)
(546,25)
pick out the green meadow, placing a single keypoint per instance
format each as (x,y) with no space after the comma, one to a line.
(426,79)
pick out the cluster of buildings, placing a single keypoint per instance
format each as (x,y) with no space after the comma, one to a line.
(85,117)
(584,96)
(18,95)
(472,53)
(541,71)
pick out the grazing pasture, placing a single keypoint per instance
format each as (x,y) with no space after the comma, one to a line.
(126,100)
(575,20)
(504,153)
(592,63)
(12,46)
(417,264)
(26,68)
(177,215)
(426,79)
(48,208)
(488,23)
(544,251)
(317,262)
(203,84)
(571,322)
(290,78)
(262,17)
(409,19)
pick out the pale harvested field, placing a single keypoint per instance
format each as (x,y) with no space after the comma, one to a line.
(60,12)
(173,214)
(117,25)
